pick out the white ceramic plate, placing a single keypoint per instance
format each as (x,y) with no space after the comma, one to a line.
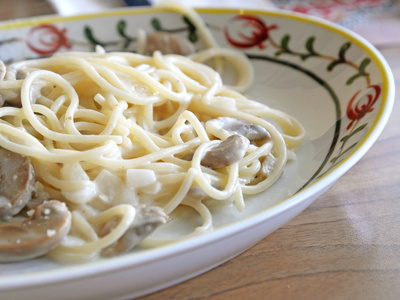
(331,80)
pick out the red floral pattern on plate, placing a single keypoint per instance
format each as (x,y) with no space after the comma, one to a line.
(357,108)
(47,39)
(259,32)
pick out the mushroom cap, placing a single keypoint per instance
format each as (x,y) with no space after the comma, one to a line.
(223,126)
(226,153)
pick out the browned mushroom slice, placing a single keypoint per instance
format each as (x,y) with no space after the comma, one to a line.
(226,153)
(237,126)
(147,219)
(16,182)
(35,236)
(168,43)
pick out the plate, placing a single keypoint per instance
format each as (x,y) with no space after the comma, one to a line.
(333,81)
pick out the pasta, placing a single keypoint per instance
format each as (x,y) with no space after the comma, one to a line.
(109,133)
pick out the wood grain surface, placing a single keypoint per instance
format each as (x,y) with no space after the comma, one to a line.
(346,245)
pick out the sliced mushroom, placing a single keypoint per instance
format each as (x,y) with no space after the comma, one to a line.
(267,166)
(16,182)
(227,125)
(168,43)
(226,153)
(37,235)
(147,219)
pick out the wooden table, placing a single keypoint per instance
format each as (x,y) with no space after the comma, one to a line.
(346,245)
